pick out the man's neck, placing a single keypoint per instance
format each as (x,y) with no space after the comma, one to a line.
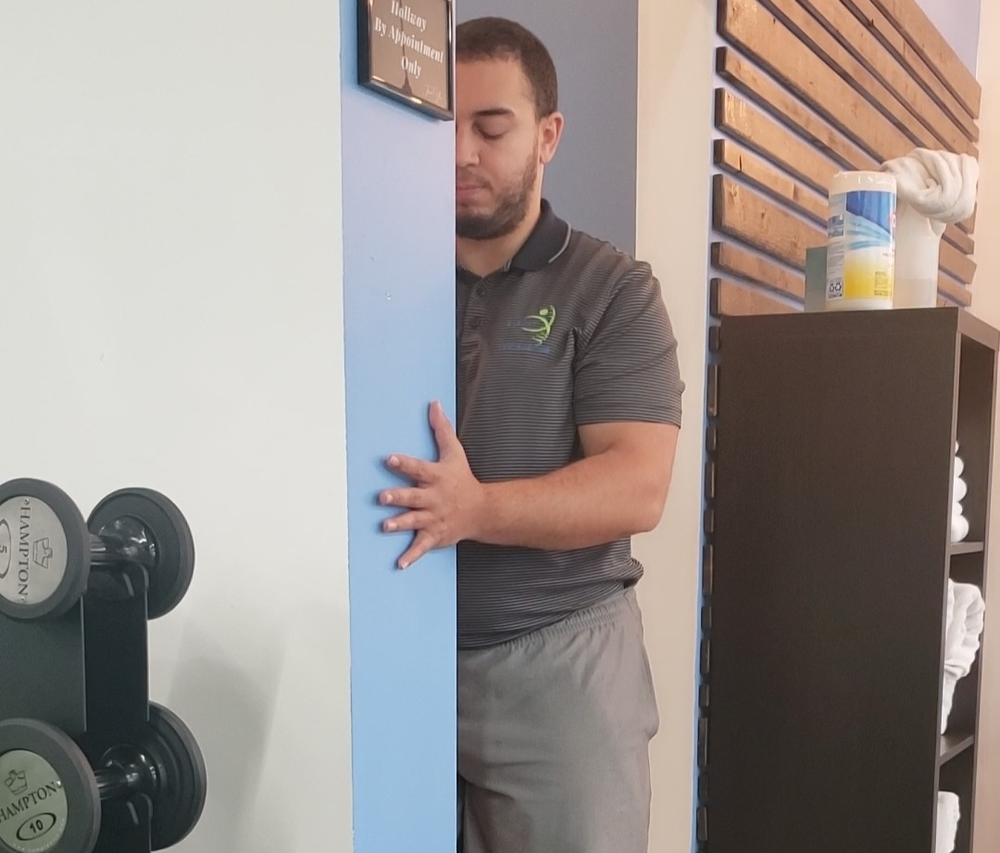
(483,257)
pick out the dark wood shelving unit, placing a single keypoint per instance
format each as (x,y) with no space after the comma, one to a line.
(826,579)
(967,547)
(954,744)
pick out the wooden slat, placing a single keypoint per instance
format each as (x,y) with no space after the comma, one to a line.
(747,124)
(954,291)
(741,213)
(814,36)
(749,25)
(735,260)
(960,240)
(729,299)
(924,38)
(763,176)
(969,225)
(886,33)
(960,266)
(787,108)
(854,40)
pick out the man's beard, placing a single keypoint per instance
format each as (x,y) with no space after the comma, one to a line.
(510,212)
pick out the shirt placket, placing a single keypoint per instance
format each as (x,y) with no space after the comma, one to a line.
(470,340)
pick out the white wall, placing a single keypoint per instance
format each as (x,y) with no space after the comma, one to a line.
(986,304)
(959,23)
(171,295)
(676,59)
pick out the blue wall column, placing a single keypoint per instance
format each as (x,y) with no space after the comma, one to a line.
(399,338)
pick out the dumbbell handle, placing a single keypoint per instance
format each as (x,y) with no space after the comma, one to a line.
(125,776)
(111,549)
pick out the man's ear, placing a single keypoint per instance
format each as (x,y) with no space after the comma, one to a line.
(551,129)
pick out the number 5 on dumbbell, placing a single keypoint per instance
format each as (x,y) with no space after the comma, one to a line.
(48,553)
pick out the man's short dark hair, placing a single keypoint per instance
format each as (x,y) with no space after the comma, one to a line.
(499,38)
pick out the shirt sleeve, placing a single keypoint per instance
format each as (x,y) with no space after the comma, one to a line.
(627,369)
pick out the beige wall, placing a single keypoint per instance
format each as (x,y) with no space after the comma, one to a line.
(986,304)
(674,151)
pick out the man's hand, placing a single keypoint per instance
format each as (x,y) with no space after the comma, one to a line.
(446,501)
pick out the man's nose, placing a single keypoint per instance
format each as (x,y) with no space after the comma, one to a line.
(466,147)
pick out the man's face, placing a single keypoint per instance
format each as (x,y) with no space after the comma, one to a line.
(500,145)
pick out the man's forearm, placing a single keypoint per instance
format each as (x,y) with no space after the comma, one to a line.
(597,500)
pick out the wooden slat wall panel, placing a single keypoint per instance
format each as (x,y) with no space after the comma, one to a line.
(731,258)
(923,37)
(762,175)
(749,125)
(779,101)
(751,27)
(811,87)
(743,214)
(819,134)
(853,38)
(893,41)
(953,291)
(813,32)
(805,27)
(954,262)
(960,240)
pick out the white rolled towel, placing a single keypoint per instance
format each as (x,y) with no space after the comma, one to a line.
(959,490)
(964,617)
(949,813)
(959,527)
(937,184)
(959,466)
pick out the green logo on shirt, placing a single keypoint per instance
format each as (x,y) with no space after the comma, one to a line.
(540,324)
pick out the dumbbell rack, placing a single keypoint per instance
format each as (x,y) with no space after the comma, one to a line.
(83,670)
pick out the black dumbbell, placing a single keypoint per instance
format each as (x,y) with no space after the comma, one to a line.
(50,795)
(47,552)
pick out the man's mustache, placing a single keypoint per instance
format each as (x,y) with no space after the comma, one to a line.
(469,179)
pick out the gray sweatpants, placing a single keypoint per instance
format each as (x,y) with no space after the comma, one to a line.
(553,737)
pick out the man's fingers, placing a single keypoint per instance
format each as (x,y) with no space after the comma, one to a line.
(422,543)
(416,469)
(407,521)
(406,498)
(444,432)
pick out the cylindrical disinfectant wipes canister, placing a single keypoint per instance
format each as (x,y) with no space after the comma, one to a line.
(861,241)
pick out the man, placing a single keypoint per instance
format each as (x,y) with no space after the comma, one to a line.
(568,415)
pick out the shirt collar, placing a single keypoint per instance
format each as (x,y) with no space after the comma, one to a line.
(547,241)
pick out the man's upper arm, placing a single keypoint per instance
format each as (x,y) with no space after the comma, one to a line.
(642,440)
(643,454)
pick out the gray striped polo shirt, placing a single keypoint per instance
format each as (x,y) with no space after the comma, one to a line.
(570,332)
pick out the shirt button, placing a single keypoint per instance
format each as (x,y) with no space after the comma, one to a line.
(480,290)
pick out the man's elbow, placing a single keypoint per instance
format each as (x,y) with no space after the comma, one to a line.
(649,510)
